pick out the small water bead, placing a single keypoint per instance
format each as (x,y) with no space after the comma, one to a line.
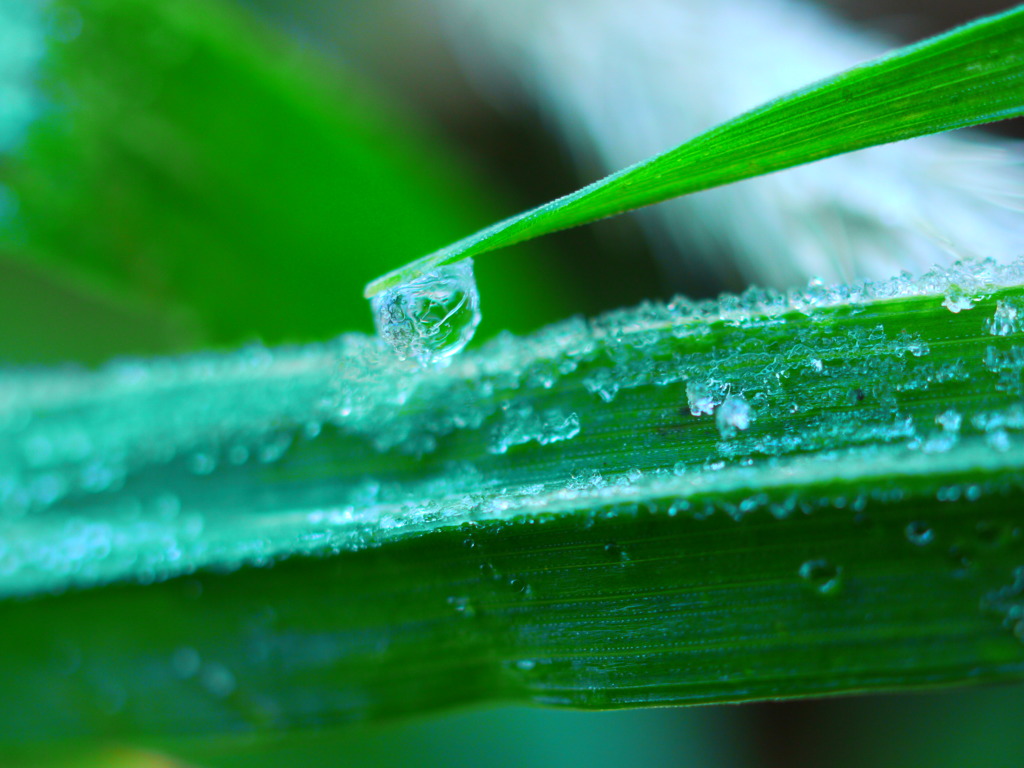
(462,606)
(202,463)
(431,317)
(957,301)
(732,416)
(998,440)
(1005,320)
(825,577)
(919,533)
(700,398)
(949,420)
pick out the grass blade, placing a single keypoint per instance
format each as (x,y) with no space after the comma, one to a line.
(760,497)
(969,76)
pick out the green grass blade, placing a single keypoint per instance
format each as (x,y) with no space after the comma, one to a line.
(969,76)
(187,158)
(760,497)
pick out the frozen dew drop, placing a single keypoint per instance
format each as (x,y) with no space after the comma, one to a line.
(431,317)
(957,301)
(217,679)
(1005,320)
(699,398)
(732,415)
(186,662)
(462,605)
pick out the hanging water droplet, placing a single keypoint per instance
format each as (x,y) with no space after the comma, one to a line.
(956,300)
(432,317)
(462,605)
(699,398)
(1006,319)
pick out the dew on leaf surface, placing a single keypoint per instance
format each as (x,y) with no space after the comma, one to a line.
(822,575)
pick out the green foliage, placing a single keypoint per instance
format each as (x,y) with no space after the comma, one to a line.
(194,165)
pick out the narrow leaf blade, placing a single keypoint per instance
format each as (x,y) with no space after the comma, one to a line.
(969,76)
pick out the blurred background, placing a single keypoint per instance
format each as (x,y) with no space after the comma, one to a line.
(185,174)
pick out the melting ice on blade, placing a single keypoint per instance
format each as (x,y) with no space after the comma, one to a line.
(432,317)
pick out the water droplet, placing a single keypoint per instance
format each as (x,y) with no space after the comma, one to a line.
(956,300)
(700,398)
(615,551)
(919,533)
(519,586)
(432,317)
(217,679)
(1018,630)
(526,664)
(185,662)
(1005,319)
(732,415)
(825,577)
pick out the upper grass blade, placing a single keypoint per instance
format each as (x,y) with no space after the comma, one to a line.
(193,162)
(971,75)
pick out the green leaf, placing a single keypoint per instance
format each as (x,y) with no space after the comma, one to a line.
(761,497)
(971,75)
(51,316)
(185,158)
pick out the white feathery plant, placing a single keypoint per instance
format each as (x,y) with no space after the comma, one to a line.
(623,81)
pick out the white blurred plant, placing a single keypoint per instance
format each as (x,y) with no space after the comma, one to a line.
(623,81)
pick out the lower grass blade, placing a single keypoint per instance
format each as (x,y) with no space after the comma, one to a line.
(761,497)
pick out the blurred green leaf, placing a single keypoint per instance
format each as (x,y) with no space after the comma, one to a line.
(972,75)
(185,158)
(51,316)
